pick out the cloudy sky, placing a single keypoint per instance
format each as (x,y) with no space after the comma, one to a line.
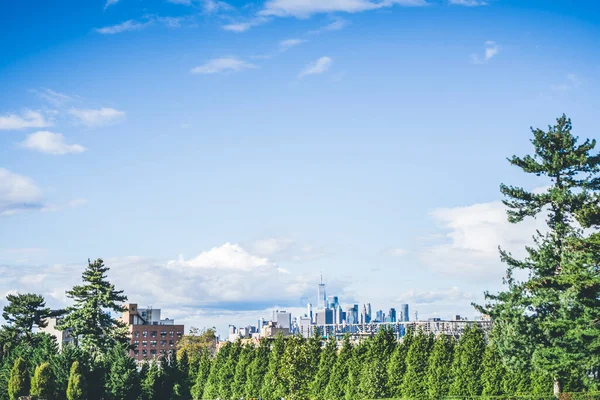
(220,155)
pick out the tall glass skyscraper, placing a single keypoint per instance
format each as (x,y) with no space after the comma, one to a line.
(404,312)
(321,296)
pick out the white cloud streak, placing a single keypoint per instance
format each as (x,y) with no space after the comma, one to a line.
(226,64)
(491,50)
(318,67)
(468,3)
(307,8)
(243,26)
(18,193)
(27,119)
(50,143)
(285,45)
(126,26)
(97,117)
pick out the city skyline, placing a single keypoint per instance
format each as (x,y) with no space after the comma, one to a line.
(219,155)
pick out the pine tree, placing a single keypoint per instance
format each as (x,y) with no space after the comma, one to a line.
(326,364)
(152,383)
(18,384)
(314,345)
(439,373)
(211,389)
(273,386)
(201,375)
(414,382)
(182,383)
(359,352)
(517,381)
(468,363)
(97,330)
(397,365)
(42,383)
(493,372)
(241,371)
(549,318)
(257,369)
(227,372)
(295,370)
(373,380)
(541,383)
(336,387)
(123,381)
(77,389)
(24,312)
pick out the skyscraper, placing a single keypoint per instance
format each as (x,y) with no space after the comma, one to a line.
(379,316)
(404,312)
(321,296)
(332,302)
(309,311)
(392,315)
(369,315)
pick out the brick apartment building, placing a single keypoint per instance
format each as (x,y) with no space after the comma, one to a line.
(151,336)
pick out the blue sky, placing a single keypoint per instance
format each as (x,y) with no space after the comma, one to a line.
(219,156)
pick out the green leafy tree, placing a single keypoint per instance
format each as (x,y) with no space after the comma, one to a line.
(397,365)
(336,386)
(296,367)
(373,379)
(493,372)
(88,317)
(273,387)
(201,375)
(23,313)
(257,369)
(439,373)
(468,363)
(313,347)
(414,382)
(227,372)
(196,341)
(324,373)
(77,388)
(42,383)
(18,384)
(123,381)
(152,383)
(359,352)
(211,389)
(241,371)
(61,365)
(550,317)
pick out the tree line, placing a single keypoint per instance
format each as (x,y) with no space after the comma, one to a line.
(545,338)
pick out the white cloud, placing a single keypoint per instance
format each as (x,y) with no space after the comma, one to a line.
(572,82)
(317,67)
(243,26)
(222,65)
(306,8)
(56,99)
(27,119)
(50,143)
(226,257)
(18,193)
(468,3)
(288,249)
(97,117)
(110,3)
(126,26)
(473,234)
(287,44)
(491,49)
(213,6)
(450,295)
(336,25)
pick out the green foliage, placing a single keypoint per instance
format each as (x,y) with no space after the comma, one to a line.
(324,372)
(123,381)
(359,352)
(227,372)
(77,388)
(373,380)
(414,382)
(336,387)
(241,371)
(397,365)
(42,383)
(151,383)
(97,330)
(550,319)
(211,389)
(257,369)
(24,312)
(18,384)
(273,387)
(201,375)
(467,367)
(439,373)
(296,367)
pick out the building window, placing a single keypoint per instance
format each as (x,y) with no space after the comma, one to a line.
(145,334)
(136,334)
(136,343)
(136,352)
(163,342)
(179,334)
(163,334)
(144,353)
(153,343)
(172,333)
(153,334)
(144,343)
(153,352)
(171,343)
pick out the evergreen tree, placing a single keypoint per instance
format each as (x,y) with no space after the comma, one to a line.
(517,382)
(97,330)
(542,384)
(24,312)
(241,371)
(414,382)
(397,365)
(211,389)
(42,384)
(257,369)
(77,388)
(550,317)
(493,372)
(359,352)
(152,383)
(439,373)
(336,387)
(295,368)
(468,363)
(201,375)
(273,387)
(227,372)
(169,376)
(61,368)
(18,384)
(123,381)
(373,379)
(313,347)
(326,364)
(182,386)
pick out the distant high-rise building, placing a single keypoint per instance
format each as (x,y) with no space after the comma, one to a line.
(368,313)
(404,313)
(321,296)
(379,316)
(392,315)
(351,315)
(282,319)
(309,312)
(324,316)
(332,302)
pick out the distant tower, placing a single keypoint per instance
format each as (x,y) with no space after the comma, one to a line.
(404,316)
(309,311)
(322,296)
